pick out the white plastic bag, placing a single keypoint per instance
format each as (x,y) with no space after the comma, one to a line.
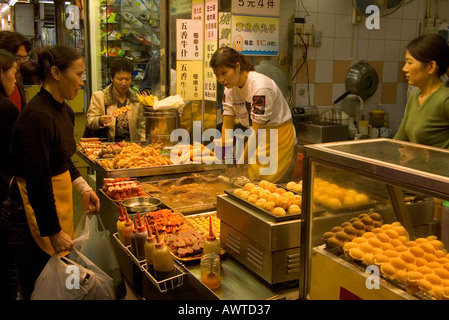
(94,243)
(64,279)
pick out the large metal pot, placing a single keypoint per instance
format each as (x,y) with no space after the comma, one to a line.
(361,80)
(160,124)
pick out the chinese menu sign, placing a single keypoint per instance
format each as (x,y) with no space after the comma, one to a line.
(224,29)
(189,79)
(255,35)
(189,39)
(211,20)
(268,8)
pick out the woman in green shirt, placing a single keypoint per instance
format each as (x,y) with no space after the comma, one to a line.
(426,118)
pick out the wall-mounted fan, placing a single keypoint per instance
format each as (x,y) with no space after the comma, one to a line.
(386,7)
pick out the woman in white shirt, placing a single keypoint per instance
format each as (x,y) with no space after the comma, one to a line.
(258,103)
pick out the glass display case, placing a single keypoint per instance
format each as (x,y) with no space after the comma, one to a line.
(372,225)
(129,29)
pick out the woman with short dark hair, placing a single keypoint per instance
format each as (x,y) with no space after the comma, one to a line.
(426,118)
(117,107)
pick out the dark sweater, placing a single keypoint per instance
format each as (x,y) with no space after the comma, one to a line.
(8,115)
(42,147)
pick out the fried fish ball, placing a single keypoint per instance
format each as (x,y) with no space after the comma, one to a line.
(280,191)
(361,199)
(253,198)
(294,209)
(263,184)
(273,197)
(297,199)
(278,211)
(291,185)
(261,202)
(269,205)
(349,201)
(283,202)
(248,186)
(238,192)
(257,191)
(245,195)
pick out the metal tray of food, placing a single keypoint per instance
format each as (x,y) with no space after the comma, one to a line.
(189,194)
(261,211)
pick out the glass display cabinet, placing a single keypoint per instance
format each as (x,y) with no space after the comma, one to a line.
(373,227)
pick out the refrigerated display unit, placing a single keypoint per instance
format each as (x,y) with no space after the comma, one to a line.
(372,221)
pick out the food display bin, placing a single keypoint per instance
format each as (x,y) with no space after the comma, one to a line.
(386,172)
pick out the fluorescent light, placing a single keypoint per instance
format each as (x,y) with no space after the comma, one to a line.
(46,1)
(12,3)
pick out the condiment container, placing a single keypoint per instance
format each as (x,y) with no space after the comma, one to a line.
(212,244)
(149,247)
(210,270)
(140,239)
(127,230)
(164,266)
(120,224)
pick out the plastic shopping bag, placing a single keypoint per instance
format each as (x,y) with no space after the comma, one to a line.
(93,241)
(64,279)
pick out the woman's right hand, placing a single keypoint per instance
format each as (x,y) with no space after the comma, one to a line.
(104,120)
(61,242)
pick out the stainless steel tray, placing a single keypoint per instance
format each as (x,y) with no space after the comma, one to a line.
(265,213)
(150,171)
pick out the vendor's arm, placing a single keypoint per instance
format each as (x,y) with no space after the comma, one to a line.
(228,123)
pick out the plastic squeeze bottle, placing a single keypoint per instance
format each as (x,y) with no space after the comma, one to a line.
(141,239)
(149,247)
(212,244)
(120,224)
(132,236)
(127,230)
(164,267)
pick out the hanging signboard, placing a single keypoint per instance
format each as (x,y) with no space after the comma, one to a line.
(268,8)
(189,79)
(210,81)
(224,29)
(197,10)
(255,35)
(189,39)
(211,20)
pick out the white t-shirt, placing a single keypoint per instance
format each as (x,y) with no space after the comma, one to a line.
(264,99)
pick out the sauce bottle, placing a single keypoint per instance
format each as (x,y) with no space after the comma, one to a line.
(120,224)
(164,267)
(141,239)
(210,270)
(127,230)
(149,247)
(212,244)
(132,236)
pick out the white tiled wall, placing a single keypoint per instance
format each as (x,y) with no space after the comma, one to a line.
(341,40)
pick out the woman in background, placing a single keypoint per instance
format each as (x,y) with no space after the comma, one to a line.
(258,103)
(42,147)
(426,118)
(117,106)
(8,115)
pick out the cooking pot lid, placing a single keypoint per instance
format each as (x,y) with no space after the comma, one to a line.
(362,80)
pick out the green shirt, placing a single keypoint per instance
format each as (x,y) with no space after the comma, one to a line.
(427,124)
